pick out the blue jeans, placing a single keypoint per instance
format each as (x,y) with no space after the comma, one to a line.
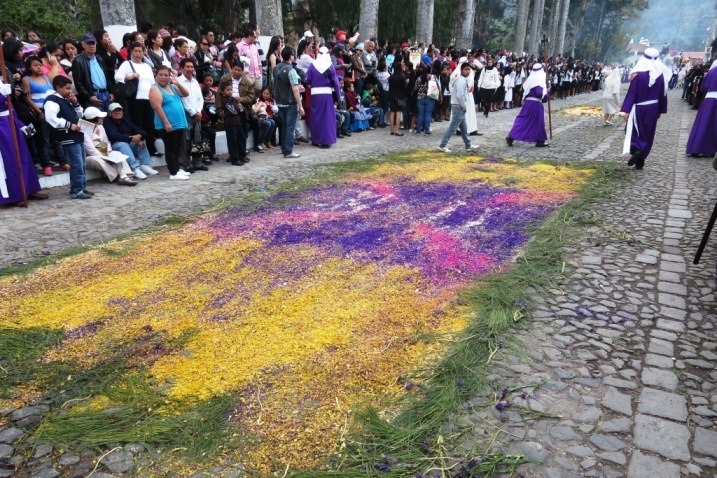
(289,115)
(425,113)
(104,98)
(75,155)
(265,129)
(133,153)
(343,121)
(458,121)
(376,118)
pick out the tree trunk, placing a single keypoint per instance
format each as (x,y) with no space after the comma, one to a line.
(579,25)
(521,26)
(536,26)
(553,28)
(368,20)
(424,21)
(464,26)
(268,17)
(118,18)
(229,10)
(601,23)
(565,9)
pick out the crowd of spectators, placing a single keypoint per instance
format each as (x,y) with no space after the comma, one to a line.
(162,84)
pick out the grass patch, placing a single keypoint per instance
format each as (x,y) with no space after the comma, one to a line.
(200,432)
(20,350)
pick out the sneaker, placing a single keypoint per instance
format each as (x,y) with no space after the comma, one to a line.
(80,195)
(292,155)
(139,174)
(444,149)
(183,173)
(471,150)
(47,171)
(178,177)
(65,167)
(147,169)
(87,191)
(427,133)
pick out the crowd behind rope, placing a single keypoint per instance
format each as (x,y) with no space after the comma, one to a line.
(161,83)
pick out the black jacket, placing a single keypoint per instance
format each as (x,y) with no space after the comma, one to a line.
(83,82)
(120,133)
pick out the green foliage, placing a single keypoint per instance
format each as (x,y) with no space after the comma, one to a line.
(493,29)
(52,19)
(445,16)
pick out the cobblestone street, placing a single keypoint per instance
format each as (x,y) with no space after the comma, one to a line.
(623,346)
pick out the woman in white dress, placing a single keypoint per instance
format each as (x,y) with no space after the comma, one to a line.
(508,84)
(611,96)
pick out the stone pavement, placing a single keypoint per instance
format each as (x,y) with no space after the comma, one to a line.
(623,345)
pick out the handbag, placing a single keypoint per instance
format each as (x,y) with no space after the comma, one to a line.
(433,92)
(197,145)
(128,89)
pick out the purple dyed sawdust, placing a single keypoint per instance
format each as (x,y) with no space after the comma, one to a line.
(84,330)
(468,228)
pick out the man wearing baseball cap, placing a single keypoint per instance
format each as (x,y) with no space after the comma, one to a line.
(342,39)
(129,139)
(92,83)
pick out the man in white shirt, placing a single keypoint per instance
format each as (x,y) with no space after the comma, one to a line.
(193,104)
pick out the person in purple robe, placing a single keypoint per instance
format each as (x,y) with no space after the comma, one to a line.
(703,137)
(321,76)
(645,101)
(529,125)
(10,187)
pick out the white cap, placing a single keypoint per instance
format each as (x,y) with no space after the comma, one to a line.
(308,33)
(114,106)
(92,113)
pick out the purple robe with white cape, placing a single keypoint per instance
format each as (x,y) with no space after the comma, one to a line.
(10,191)
(324,88)
(703,137)
(529,125)
(644,104)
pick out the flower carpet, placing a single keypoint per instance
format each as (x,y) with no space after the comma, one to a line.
(301,307)
(582,111)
